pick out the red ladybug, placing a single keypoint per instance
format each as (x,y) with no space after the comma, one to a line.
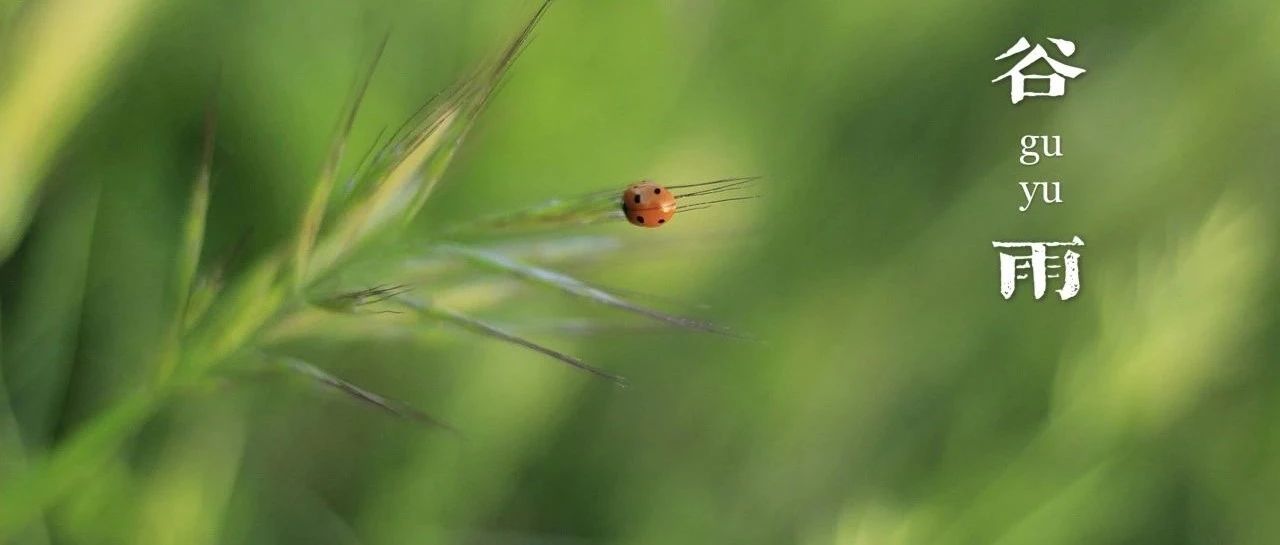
(647,204)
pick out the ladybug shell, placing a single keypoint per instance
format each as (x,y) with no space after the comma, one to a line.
(647,204)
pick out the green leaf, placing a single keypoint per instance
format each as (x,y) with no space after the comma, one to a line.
(61,56)
(25,497)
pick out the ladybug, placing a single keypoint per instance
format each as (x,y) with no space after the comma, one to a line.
(647,204)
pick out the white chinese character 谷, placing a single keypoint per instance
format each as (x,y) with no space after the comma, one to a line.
(1042,267)
(1018,80)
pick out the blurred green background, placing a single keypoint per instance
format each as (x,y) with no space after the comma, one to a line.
(892,396)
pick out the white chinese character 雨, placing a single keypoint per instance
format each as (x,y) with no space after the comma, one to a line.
(1042,267)
(1018,80)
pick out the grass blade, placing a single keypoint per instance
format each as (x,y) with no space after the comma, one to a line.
(314,215)
(417,160)
(63,51)
(490,330)
(392,406)
(197,216)
(599,207)
(41,484)
(578,288)
(209,285)
(191,245)
(13,452)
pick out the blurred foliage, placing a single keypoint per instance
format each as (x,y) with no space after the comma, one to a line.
(889,395)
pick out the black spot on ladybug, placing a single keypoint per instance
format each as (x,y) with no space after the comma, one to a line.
(637,199)
(662,221)
(657,190)
(640,219)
